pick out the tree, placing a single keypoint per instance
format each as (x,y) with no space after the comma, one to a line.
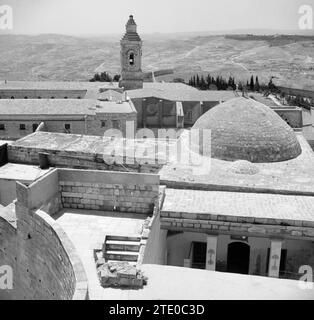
(257,86)
(102,77)
(252,84)
(202,83)
(116,78)
(208,80)
(197,81)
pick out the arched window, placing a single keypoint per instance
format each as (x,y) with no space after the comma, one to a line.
(131,59)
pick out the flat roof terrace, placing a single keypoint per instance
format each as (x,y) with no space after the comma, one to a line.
(295,176)
(21,172)
(258,207)
(87,230)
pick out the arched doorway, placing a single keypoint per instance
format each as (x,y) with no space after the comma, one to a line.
(238,259)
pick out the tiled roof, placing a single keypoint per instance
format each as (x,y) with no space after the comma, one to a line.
(15,107)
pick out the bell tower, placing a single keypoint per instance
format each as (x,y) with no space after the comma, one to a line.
(131,58)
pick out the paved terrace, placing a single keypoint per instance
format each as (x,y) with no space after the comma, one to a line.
(292,176)
(87,230)
(21,172)
(165,283)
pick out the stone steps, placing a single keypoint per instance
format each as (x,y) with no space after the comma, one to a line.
(121,255)
(114,261)
(121,248)
(122,245)
(123,238)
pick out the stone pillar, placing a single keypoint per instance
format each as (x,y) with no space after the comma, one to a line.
(211,252)
(274,258)
(160,109)
(144,113)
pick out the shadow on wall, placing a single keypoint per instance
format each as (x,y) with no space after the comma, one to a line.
(44,262)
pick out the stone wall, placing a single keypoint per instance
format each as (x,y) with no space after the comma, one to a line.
(44,262)
(192,111)
(74,159)
(292,116)
(8,252)
(113,120)
(187,221)
(155,242)
(90,125)
(110,191)
(41,94)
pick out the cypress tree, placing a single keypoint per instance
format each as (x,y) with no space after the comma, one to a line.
(257,86)
(252,84)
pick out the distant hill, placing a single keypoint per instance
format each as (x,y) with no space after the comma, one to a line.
(290,59)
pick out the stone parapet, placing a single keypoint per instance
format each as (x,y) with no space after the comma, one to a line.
(214,224)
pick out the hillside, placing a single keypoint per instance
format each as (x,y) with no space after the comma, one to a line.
(58,57)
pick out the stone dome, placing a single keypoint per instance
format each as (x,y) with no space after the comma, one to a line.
(244,129)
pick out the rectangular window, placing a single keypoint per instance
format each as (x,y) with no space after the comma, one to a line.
(35,126)
(199,255)
(189,115)
(115,124)
(22,126)
(103,123)
(2,127)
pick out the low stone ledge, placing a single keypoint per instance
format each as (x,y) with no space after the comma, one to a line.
(237,227)
(119,274)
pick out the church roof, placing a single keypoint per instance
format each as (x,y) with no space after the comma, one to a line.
(179,92)
(110,95)
(244,129)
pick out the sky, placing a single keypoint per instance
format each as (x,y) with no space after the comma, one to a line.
(79,17)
